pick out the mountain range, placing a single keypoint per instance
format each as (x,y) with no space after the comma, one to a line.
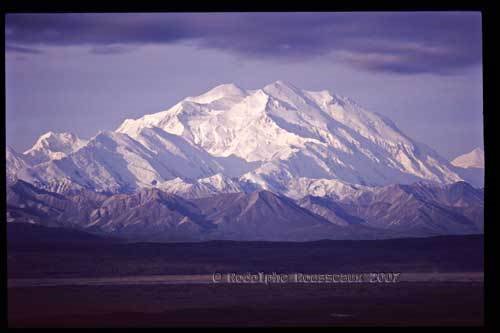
(276,163)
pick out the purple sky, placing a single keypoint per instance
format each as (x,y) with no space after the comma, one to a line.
(88,72)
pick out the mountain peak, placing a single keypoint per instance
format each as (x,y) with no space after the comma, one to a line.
(50,135)
(267,138)
(53,146)
(227,90)
(228,87)
(46,135)
(15,162)
(281,83)
(473,159)
(280,87)
(478,150)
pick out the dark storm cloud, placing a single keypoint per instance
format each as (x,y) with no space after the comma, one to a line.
(404,43)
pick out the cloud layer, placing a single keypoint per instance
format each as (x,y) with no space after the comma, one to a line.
(404,43)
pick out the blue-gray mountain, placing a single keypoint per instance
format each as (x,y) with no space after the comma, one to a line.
(153,215)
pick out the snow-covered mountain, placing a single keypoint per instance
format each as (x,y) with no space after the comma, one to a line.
(288,133)
(53,146)
(473,159)
(14,163)
(201,188)
(278,138)
(470,167)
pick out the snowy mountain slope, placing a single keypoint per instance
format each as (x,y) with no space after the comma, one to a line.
(53,146)
(107,162)
(115,162)
(473,159)
(278,138)
(470,167)
(308,134)
(14,162)
(201,188)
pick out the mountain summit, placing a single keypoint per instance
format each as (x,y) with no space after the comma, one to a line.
(473,159)
(53,146)
(278,138)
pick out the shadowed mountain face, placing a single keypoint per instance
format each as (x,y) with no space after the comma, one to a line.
(27,203)
(265,215)
(151,214)
(418,209)
(330,210)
